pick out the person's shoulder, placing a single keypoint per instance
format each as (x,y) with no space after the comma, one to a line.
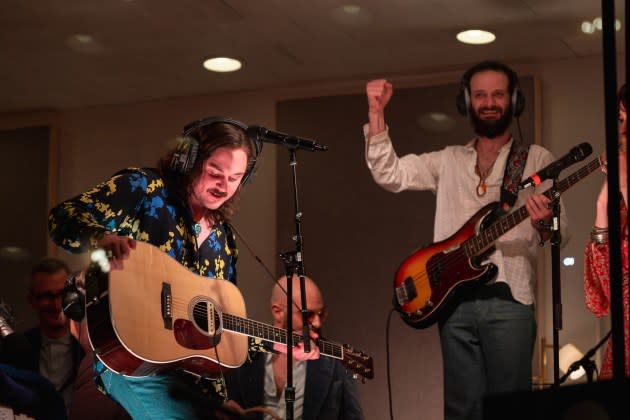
(33,334)
(537,148)
(540,151)
(150,173)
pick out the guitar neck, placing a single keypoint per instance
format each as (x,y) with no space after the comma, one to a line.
(485,239)
(274,334)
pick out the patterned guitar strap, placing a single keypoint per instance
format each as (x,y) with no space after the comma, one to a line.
(513,175)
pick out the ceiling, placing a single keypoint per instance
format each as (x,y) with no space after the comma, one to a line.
(151,49)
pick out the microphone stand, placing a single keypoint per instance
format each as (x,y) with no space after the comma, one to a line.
(586,362)
(294,263)
(556,239)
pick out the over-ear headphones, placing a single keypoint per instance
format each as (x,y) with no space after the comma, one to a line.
(185,155)
(462,101)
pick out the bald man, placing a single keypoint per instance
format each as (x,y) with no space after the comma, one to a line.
(323,388)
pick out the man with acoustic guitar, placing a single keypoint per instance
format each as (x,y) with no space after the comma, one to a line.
(488,333)
(184,208)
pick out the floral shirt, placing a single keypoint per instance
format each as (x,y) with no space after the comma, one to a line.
(597,289)
(136,203)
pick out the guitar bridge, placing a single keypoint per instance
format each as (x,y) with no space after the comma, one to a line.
(406,291)
(166,299)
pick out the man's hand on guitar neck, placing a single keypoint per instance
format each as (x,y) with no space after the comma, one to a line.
(538,207)
(298,350)
(117,248)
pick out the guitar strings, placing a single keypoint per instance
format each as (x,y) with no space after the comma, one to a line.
(233,322)
(422,278)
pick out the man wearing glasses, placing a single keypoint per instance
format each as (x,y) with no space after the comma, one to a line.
(49,348)
(323,388)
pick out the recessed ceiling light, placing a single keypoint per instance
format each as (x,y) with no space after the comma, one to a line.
(436,122)
(14,253)
(222,64)
(351,14)
(351,9)
(476,37)
(84,43)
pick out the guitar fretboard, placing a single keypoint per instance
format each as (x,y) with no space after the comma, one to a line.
(274,334)
(486,238)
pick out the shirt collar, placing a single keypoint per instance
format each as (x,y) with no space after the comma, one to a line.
(471,144)
(65,339)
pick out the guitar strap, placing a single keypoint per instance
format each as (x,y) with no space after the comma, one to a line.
(513,174)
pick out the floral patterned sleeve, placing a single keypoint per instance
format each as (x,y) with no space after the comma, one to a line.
(596,278)
(76,224)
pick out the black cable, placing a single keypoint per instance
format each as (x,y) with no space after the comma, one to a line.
(586,362)
(520,133)
(257,258)
(389,384)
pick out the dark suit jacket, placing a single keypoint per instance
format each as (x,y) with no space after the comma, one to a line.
(24,388)
(329,393)
(22,350)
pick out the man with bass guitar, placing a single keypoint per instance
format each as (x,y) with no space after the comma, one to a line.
(488,334)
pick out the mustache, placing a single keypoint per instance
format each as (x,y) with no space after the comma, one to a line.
(217,192)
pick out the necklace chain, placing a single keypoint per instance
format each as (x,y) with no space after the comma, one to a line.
(482,187)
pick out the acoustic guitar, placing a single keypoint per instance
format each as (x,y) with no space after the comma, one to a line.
(154,314)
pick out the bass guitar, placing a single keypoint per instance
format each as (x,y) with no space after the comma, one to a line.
(154,315)
(426,280)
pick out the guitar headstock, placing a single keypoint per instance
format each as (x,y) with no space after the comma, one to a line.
(358,362)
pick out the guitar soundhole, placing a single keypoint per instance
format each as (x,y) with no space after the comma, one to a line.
(203,327)
(200,316)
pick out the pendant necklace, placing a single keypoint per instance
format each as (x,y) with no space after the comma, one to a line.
(197,228)
(482,187)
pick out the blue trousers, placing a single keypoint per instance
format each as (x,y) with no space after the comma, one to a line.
(487,348)
(153,397)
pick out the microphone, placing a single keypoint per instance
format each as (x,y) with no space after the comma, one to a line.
(552,170)
(7,319)
(292,142)
(73,299)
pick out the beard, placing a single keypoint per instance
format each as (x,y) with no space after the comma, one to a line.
(491,129)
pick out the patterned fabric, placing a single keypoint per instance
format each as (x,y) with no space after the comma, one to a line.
(137,203)
(597,289)
(513,175)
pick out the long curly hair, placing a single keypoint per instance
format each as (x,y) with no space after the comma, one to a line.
(210,137)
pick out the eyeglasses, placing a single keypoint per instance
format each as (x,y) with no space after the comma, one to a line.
(48,296)
(322,314)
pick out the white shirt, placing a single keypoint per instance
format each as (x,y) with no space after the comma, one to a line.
(56,364)
(450,174)
(278,404)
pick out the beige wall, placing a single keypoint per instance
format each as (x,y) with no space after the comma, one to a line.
(95,142)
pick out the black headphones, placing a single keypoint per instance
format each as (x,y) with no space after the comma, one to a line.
(185,155)
(462,101)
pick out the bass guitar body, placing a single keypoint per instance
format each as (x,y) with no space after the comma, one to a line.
(426,282)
